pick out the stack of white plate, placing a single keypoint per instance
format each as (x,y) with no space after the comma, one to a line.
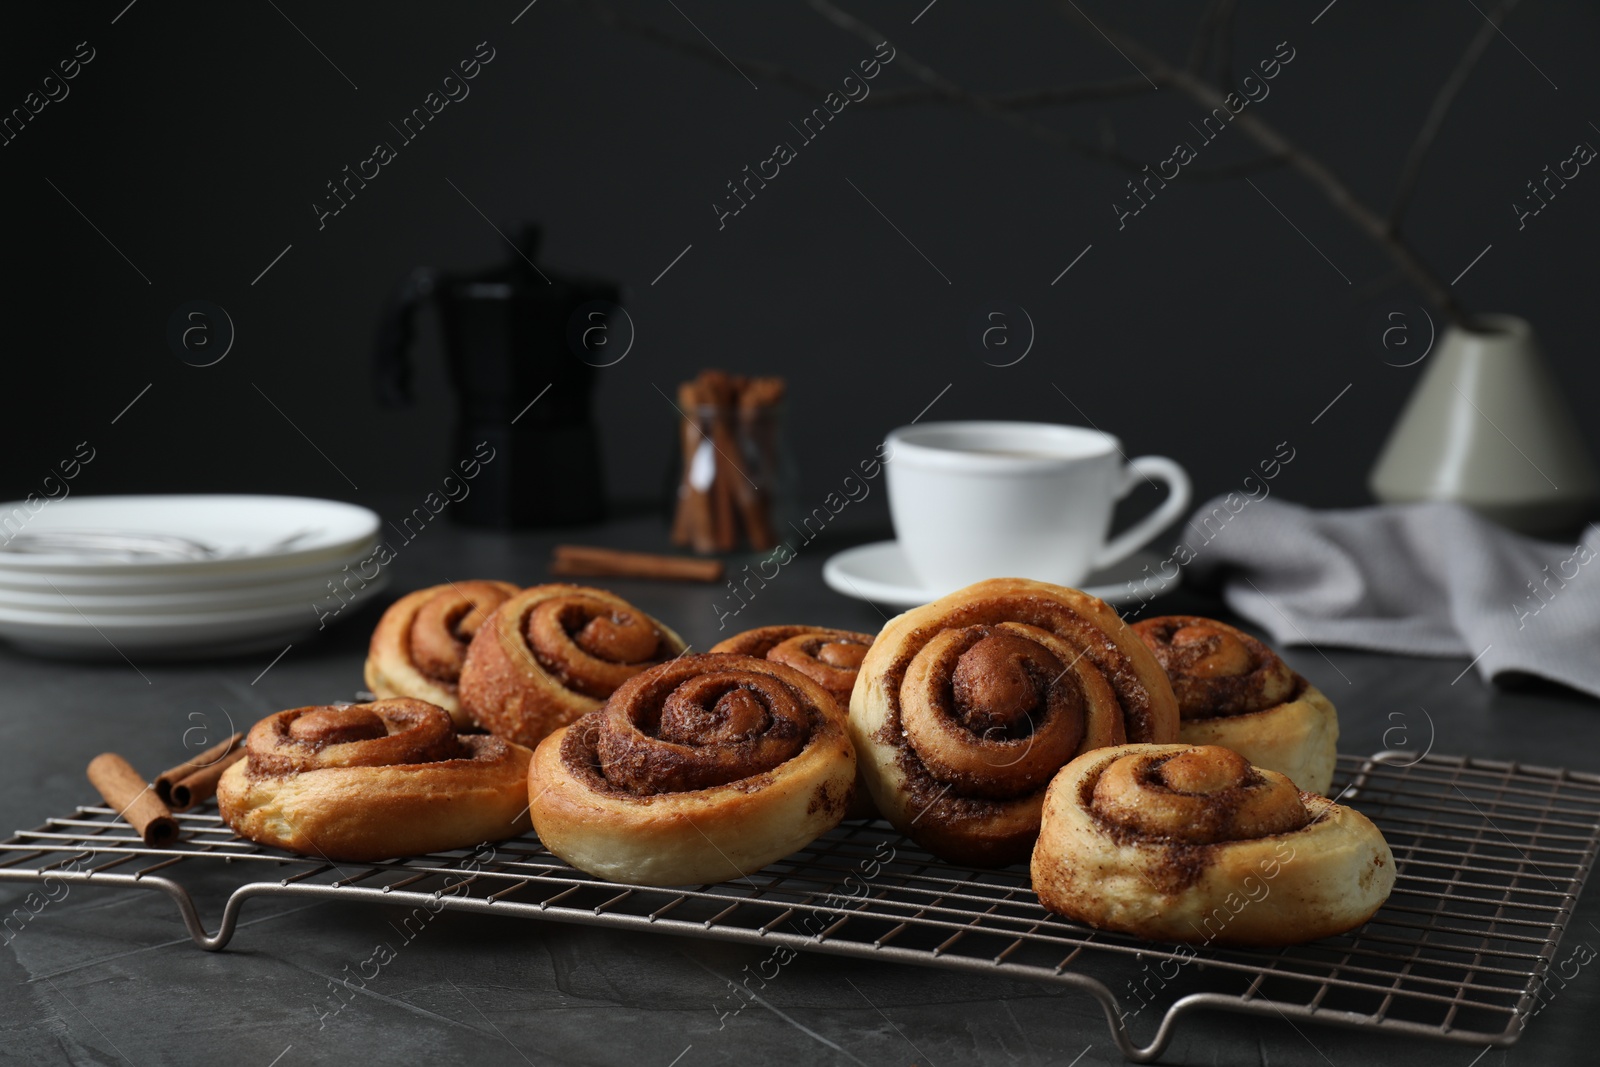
(180,576)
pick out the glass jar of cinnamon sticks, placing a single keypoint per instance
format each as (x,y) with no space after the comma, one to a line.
(736,472)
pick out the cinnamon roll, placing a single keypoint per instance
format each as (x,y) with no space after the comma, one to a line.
(831,658)
(967,707)
(1236,692)
(421,641)
(1192,843)
(554,652)
(364,782)
(703,769)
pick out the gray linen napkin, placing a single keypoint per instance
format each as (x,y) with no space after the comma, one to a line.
(1427,579)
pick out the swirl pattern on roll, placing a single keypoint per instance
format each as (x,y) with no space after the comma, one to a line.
(1216,669)
(1194,843)
(421,642)
(386,733)
(364,781)
(969,705)
(831,658)
(682,729)
(1236,692)
(701,769)
(554,652)
(1199,796)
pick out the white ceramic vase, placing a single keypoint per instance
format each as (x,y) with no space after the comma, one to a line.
(1487,426)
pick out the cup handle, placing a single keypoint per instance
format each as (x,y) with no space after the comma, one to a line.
(1142,532)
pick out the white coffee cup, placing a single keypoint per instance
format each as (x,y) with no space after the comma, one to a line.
(975,500)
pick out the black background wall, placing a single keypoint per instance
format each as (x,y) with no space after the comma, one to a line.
(200,135)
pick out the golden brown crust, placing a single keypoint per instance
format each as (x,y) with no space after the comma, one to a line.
(553,653)
(1236,692)
(1192,843)
(366,782)
(831,658)
(421,642)
(965,707)
(699,770)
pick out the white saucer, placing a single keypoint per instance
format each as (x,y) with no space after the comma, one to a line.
(205,534)
(178,576)
(97,596)
(188,635)
(880,573)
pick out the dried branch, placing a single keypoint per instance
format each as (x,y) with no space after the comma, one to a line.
(940,85)
(1020,99)
(756,67)
(1412,171)
(1071,94)
(1276,144)
(935,88)
(1215,36)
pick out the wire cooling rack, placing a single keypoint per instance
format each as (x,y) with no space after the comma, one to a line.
(1490,860)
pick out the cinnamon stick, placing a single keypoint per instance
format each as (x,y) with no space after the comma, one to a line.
(201,786)
(125,792)
(683,519)
(755,397)
(171,777)
(696,501)
(728,420)
(725,528)
(591,561)
(728,487)
(758,425)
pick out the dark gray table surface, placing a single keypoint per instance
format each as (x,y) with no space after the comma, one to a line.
(106,976)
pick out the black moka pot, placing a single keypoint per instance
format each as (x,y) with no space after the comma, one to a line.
(513,334)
